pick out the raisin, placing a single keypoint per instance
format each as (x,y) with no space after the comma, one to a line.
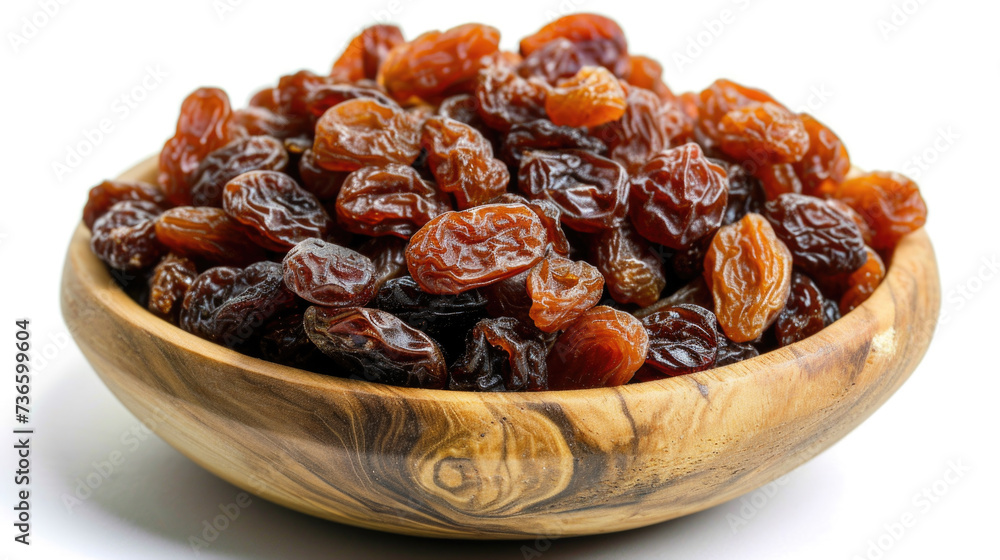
(258,121)
(445,318)
(207,234)
(233,159)
(561,290)
(328,274)
(633,271)
(859,285)
(804,313)
(831,311)
(322,183)
(543,135)
(509,298)
(718,99)
(765,133)
(501,354)
(746,194)
(826,163)
(646,73)
(438,64)
(556,60)
(603,348)
(731,352)
(277,210)
(203,127)
(776,180)
(125,236)
(592,97)
(463,108)
(678,197)
(863,227)
(375,345)
(365,53)
(695,292)
(689,263)
(388,200)
(462,162)
(590,191)
(889,202)
(168,285)
(822,240)
(388,255)
(362,132)
(599,40)
(682,339)
(749,271)
(322,96)
(648,126)
(230,305)
(460,251)
(283,340)
(102,197)
(505,99)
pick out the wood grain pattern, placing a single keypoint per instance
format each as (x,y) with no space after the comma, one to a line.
(496,465)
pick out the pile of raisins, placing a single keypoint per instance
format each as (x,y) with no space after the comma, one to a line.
(440,213)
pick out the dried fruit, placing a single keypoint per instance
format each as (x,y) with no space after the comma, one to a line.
(822,241)
(603,348)
(329,275)
(764,133)
(859,285)
(388,200)
(804,313)
(460,251)
(502,354)
(826,163)
(590,191)
(462,162)
(283,340)
(646,73)
(561,290)
(749,271)
(548,213)
(592,97)
(278,212)
(102,197)
(436,65)
(678,197)
(505,99)
(321,182)
(597,38)
(376,346)
(889,202)
(230,306)
(125,236)
(648,126)
(632,269)
(202,128)
(746,194)
(543,135)
(365,53)
(388,255)
(225,164)
(682,339)
(362,132)
(168,285)
(717,100)
(207,234)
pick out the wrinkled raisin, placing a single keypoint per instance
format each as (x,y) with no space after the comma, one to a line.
(648,126)
(603,348)
(749,271)
(125,236)
(502,354)
(803,314)
(859,285)
(682,339)
(225,164)
(376,346)
(365,53)
(600,40)
(591,97)
(889,202)
(505,99)
(388,200)
(168,285)
(102,197)
(548,213)
(591,191)
(543,135)
(207,234)
(765,133)
(203,127)
(561,290)
(277,210)
(362,132)
(633,271)
(321,182)
(822,240)
(826,163)
(388,255)
(462,162)
(328,274)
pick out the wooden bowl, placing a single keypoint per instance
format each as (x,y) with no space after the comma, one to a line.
(501,465)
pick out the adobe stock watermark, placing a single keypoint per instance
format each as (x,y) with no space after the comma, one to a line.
(962,294)
(538,548)
(918,164)
(921,503)
(564,8)
(121,108)
(29,26)
(752,504)
(815,99)
(711,29)
(899,15)
(223,8)
(212,527)
(129,441)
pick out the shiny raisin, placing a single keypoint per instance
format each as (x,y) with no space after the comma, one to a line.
(502,354)
(366,51)
(826,163)
(388,200)
(749,271)
(505,99)
(765,133)
(375,345)
(207,234)
(822,240)
(889,202)
(603,348)
(462,162)
(102,197)
(125,236)
(648,126)
(278,212)
(804,313)
(591,97)
(328,274)
(718,99)
(362,132)
(859,285)
(561,290)
(633,271)
(543,135)
(203,127)
(599,40)
(225,164)
(591,191)
(678,197)
(388,255)
(682,339)
(460,251)
(168,285)
(321,182)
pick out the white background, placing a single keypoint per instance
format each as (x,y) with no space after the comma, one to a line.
(921,84)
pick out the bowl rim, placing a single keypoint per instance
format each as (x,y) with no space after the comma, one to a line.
(95,277)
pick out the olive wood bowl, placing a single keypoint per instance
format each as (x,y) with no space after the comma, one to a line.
(501,465)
